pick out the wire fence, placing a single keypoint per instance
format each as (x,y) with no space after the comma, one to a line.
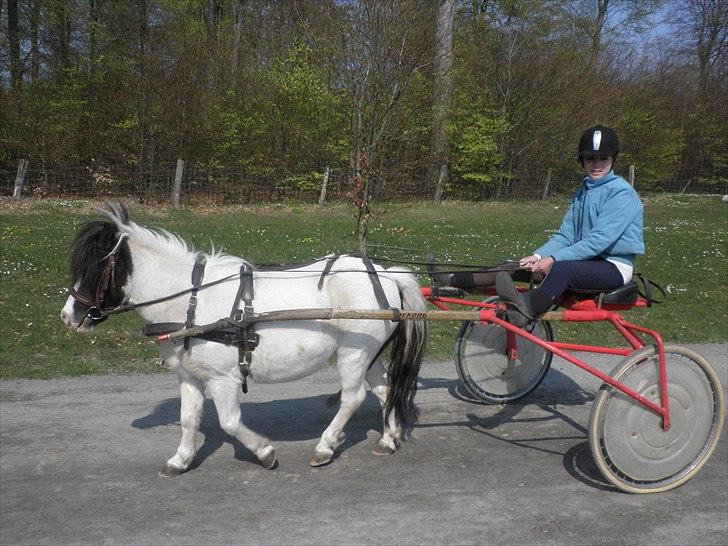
(198,184)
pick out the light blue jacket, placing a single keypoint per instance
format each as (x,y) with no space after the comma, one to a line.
(604,220)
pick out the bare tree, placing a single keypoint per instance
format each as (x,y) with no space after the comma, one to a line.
(603,21)
(602,6)
(703,24)
(383,52)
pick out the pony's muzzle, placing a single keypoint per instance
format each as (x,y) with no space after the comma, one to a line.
(65,317)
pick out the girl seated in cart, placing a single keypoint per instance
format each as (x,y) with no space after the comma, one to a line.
(598,241)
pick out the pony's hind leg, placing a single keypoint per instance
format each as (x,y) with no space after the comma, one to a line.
(392,431)
(224,393)
(352,366)
(191,400)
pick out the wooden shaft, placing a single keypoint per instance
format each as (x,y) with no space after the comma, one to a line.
(363,314)
(327,313)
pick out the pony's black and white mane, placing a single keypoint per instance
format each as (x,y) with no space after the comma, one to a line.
(93,242)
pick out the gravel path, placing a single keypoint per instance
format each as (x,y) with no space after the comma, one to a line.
(79,461)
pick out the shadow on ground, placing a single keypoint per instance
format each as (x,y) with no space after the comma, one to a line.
(305,418)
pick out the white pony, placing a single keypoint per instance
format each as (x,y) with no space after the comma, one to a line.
(118,261)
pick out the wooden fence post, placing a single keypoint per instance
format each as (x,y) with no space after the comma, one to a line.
(324,183)
(631,175)
(545,195)
(20,179)
(178,183)
(442,174)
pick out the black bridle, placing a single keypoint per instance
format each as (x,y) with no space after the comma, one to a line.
(95,310)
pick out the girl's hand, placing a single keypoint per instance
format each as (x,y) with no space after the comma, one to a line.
(528,261)
(543,265)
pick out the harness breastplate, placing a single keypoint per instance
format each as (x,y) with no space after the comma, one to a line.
(240,331)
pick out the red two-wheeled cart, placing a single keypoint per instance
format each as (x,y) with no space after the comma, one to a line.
(657,417)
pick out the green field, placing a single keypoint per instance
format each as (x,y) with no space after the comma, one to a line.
(685,238)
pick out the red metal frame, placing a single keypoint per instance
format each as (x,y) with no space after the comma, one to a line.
(577,311)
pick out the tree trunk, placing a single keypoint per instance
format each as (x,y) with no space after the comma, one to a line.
(34,51)
(62,31)
(211,18)
(443,87)
(362,195)
(602,6)
(238,18)
(94,15)
(142,14)
(16,76)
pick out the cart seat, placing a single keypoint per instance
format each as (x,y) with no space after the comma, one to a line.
(624,295)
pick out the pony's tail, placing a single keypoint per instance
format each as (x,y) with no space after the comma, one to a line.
(408,346)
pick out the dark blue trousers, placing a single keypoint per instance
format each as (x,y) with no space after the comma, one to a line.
(594,274)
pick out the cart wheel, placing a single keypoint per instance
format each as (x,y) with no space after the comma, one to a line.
(627,440)
(483,366)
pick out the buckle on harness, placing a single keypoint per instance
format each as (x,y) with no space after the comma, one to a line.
(94,313)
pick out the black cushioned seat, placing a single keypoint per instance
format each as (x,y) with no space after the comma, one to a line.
(624,295)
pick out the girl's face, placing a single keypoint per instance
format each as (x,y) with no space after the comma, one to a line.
(597,167)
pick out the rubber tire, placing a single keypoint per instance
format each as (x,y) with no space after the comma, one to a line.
(608,397)
(482,392)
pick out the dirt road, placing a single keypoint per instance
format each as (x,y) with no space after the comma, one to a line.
(79,461)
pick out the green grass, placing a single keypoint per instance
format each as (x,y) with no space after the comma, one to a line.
(685,238)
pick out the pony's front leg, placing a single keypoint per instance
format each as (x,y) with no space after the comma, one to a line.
(224,392)
(191,400)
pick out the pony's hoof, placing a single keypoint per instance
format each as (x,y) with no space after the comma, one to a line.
(268,459)
(382,449)
(320,459)
(169,471)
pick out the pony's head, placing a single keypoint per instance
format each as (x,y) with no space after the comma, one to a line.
(100,267)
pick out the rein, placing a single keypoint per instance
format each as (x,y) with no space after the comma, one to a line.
(97,313)
(124,307)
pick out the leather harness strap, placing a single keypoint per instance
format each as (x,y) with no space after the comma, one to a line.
(198,273)
(246,338)
(327,269)
(377,286)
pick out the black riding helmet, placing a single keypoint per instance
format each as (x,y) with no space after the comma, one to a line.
(598,141)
